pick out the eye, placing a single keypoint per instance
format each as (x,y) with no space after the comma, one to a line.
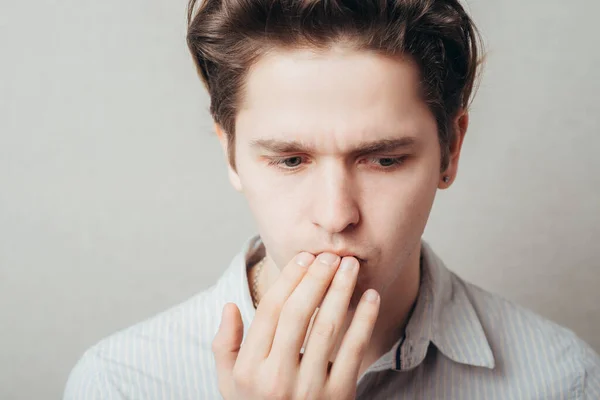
(292,162)
(287,163)
(386,163)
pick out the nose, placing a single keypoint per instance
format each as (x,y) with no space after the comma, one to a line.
(335,208)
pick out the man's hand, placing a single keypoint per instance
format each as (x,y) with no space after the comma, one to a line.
(268,365)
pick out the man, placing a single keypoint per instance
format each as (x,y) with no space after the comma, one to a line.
(340,120)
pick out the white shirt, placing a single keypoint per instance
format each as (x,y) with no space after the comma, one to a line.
(461,342)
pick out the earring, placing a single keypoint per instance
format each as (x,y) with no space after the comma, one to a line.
(446,179)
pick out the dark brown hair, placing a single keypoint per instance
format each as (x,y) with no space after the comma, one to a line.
(226,37)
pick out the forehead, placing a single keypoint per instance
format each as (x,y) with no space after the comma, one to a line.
(332,97)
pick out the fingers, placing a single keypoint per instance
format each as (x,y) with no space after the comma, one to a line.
(226,343)
(352,350)
(262,330)
(279,329)
(298,310)
(326,327)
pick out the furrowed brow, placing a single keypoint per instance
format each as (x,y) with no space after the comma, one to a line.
(281,146)
(384,145)
(293,146)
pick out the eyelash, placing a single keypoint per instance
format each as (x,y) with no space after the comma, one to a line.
(397,161)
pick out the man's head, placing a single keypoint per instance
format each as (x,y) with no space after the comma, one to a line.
(339,118)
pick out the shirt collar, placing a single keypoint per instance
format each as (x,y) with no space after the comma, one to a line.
(443,315)
(252,252)
(233,284)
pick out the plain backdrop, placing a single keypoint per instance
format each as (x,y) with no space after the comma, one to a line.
(115,204)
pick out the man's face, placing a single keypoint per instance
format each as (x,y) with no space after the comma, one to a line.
(336,151)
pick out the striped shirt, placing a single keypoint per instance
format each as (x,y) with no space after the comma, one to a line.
(461,342)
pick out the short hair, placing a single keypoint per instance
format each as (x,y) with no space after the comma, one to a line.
(226,37)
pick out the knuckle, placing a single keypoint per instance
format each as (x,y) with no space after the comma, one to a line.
(357,349)
(343,285)
(318,277)
(363,319)
(294,309)
(305,392)
(337,392)
(270,306)
(291,272)
(217,344)
(241,377)
(324,330)
(274,391)
(367,315)
(321,277)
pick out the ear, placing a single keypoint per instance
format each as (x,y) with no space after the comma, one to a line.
(234,178)
(461,123)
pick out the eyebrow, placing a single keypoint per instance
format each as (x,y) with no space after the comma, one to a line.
(294,146)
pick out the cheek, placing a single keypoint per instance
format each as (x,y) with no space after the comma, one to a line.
(270,203)
(274,200)
(402,205)
(277,212)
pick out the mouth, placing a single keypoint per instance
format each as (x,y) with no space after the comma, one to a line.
(342,254)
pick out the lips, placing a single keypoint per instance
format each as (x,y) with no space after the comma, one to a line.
(341,253)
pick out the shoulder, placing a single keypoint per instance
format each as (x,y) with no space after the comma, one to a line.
(532,348)
(168,354)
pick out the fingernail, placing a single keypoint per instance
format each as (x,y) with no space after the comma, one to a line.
(348,263)
(304,259)
(372,296)
(328,258)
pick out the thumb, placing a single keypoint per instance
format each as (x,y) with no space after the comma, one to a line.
(227,341)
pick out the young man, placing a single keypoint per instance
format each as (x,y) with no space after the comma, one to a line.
(340,120)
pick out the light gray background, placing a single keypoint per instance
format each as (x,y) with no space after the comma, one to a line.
(114,202)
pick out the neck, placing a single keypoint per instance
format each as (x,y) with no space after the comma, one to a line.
(396,304)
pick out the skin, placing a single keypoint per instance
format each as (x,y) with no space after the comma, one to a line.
(325,195)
